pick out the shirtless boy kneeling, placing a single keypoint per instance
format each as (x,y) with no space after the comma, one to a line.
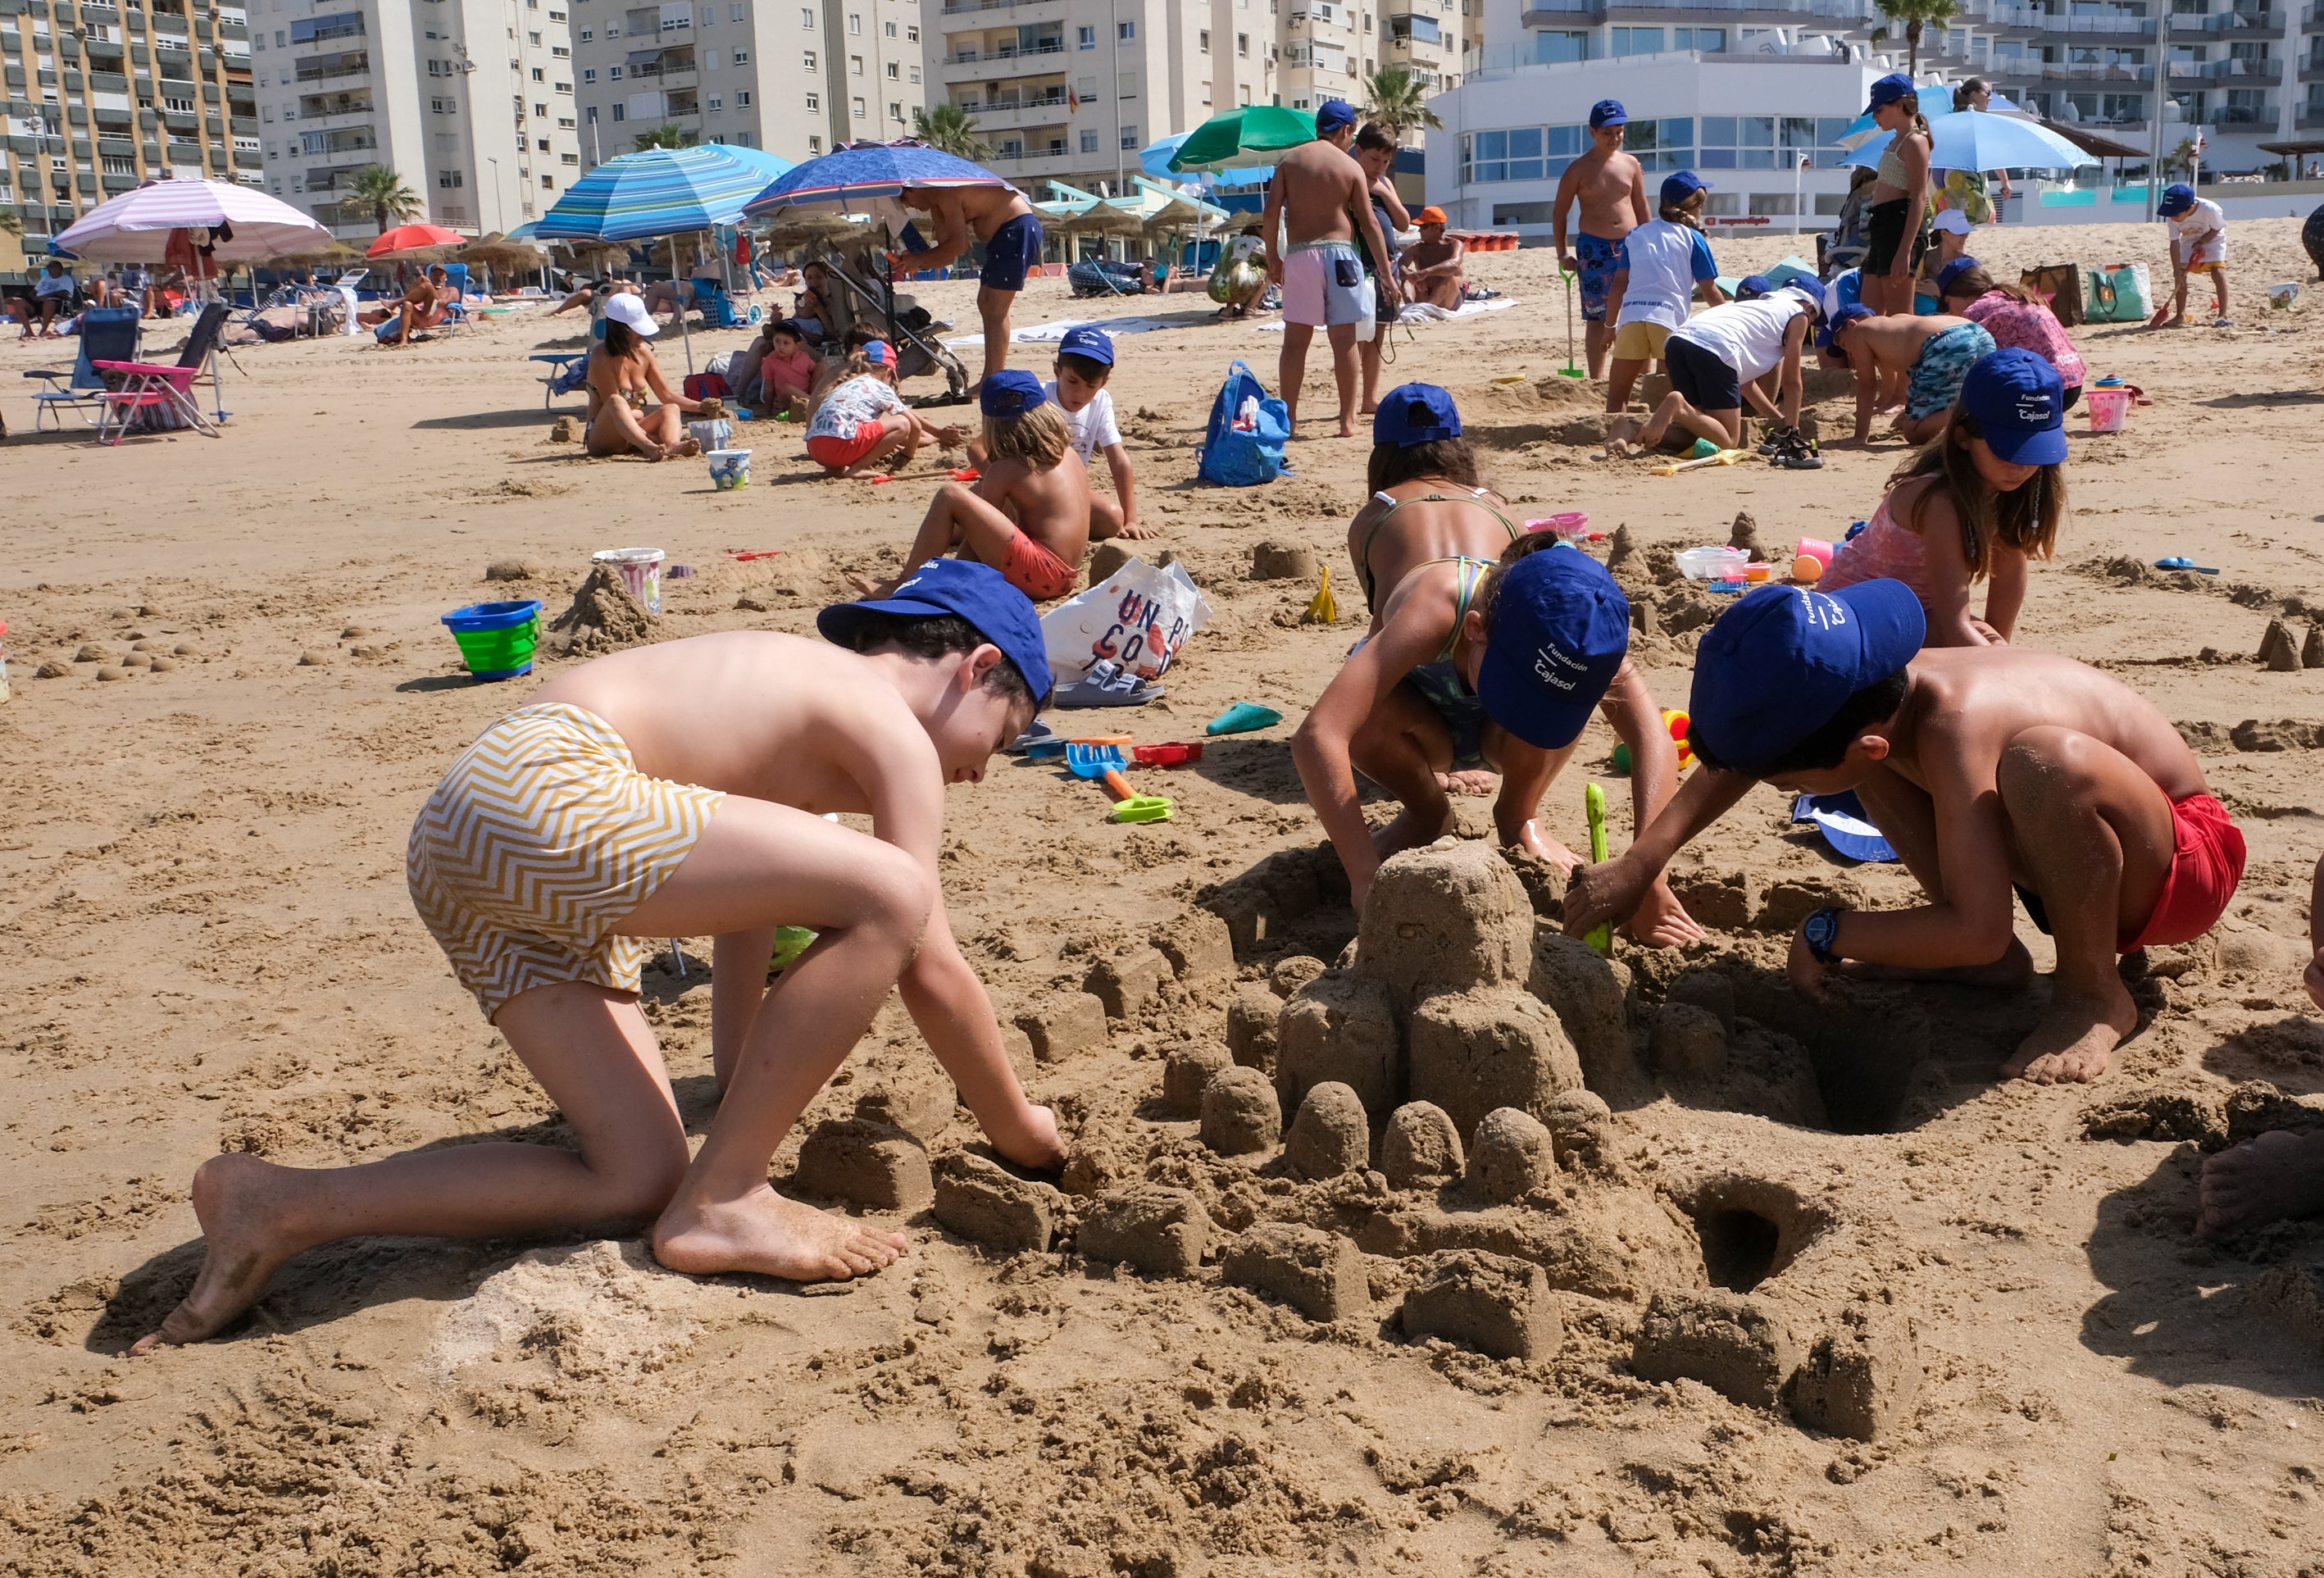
(1027,515)
(1986,767)
(677,791)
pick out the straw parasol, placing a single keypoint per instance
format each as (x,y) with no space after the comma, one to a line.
(497,251)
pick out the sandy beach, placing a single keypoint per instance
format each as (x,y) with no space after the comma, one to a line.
(202,898)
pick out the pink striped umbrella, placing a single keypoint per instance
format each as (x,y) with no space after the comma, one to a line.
(135,228)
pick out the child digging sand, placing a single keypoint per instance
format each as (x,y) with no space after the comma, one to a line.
(1973,506)
(1028,516)
(676,790)
(2198,246)
(861,421)
(2280,1173)
(1716,360)
(1488,647)
(1919,358)
(1986,767)
(1085,365)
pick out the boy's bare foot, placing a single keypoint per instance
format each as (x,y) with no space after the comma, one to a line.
(2278,1174)
(867,588)
(2010,972)
(1348,429)
(1040,1147)
(1470,781)
(241,1203)
(2076,1039)
(765,1233)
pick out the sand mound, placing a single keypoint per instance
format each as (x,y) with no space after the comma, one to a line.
(603,617)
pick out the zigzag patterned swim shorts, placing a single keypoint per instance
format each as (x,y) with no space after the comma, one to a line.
(542,837)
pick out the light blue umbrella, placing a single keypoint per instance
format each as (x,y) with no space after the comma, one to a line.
(660,191)
(1975,140)
(1154,159)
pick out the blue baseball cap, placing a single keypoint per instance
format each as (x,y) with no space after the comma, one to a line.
(1954,271)
(1896,85)
(1607,112)
(1774,668)
(1560,630)
(1415,413)
(1332,114)
(2019,402)
(1002,613)
(1751,287)
(1086,339)
(2177,199)
(1839,320)
(1677,188)
(1010,393)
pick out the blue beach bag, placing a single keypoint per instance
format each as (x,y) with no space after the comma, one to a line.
(1234,456)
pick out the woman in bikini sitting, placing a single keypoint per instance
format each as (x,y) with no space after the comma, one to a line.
(1488,648)
(621,373)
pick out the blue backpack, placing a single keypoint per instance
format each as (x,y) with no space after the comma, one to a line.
(1238,457)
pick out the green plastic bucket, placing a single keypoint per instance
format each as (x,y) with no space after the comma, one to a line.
(496,639)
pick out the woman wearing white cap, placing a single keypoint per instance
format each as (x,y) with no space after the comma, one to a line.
(621,373)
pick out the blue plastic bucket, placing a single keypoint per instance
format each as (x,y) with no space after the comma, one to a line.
(496,639)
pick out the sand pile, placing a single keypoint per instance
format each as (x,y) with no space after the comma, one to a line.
(603,617)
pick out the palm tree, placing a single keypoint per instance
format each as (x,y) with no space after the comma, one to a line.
(949,129)
(378,187)
(1396,99)
(669,134)
(1916,15)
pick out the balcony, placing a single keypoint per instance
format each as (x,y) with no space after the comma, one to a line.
(333,67)
(969,54)
(2311,67)
(2253,72)
(1851,14)
(2236,117)
(1037,163)
(2240,24)
(2104,27)
(2061,71)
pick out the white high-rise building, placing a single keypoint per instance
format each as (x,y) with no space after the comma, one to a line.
(796,78)
(470,101)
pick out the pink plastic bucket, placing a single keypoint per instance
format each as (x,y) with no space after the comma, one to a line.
(2109,409)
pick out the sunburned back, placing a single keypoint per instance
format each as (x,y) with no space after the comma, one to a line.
(1897,338)
(775,717)
(1318,183)
(1052,507)
(1979,698)
(1386,544)
(1604,188)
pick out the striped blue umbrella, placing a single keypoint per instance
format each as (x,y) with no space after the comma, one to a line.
(847,177)
(660,191)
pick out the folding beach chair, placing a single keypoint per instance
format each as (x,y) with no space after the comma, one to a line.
(108,334)
(153,397)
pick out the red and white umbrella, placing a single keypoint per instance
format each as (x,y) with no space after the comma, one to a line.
(135,228)
(415,241)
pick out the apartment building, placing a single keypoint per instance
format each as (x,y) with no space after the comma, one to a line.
(796,78)
(104,96)
(2239,72)
(1072,89)
(470,101)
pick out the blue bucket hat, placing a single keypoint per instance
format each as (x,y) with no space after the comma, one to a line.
(1951,272)
(2177,199)
(1332,114)
(1607,112)
(1839,320)
(1896,85)
(1560,630)
(1776,667)
(2019,402)
(1010,393)
(1415,413)
(1002,613)
(1677,188)
(1086,339)
(1751,287)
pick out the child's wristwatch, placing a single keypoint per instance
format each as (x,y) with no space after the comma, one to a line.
(1820,931)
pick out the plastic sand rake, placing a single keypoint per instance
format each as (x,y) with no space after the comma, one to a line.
(1569,370)
(1104,763)
(1723,458)
(1593,806)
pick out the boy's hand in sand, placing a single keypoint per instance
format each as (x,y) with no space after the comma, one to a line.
(1807,972)
(1608,890)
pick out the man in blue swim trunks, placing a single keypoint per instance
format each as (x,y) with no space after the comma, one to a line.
(999,217)
(1611,186)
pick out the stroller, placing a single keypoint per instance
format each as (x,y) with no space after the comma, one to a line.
(865,296)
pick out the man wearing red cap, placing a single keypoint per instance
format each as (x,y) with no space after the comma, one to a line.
(1432,268)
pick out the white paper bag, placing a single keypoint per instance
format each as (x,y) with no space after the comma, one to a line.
(1139,616)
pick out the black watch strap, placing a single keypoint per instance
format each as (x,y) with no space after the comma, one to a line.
(1821,930)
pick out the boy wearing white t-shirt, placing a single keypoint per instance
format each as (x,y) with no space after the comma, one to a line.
(1658,268)
(2198,246)
(1085,362)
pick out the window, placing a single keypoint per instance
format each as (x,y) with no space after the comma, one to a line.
(710,60)
(1242,45)
(566,89)
(588,73)
(620,112)
(809,57)
(1549,48)
(741,57)
(1085,38)
(815,144)
(1242,93)
(549,183)
(1636,41)
(895,72)
(533,39)
(717,103)
(1089,141)
(1127,31)
(895,109)
(858,103)
(742,99)
(890,30)
(541,144)
(738,12)
(807,18)
(916,73)
(613,31)
(450,180)
(854,24)
(539,75)
(445,107)
(613,73)
(710,16)
(911,33)
(1129,135)
(588,34)
(1711,41)
(1206,93)
(542,109)
(1202,40)
(855,65)
(814,102)
(1127,85)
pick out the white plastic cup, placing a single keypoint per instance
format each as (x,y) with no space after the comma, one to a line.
(639,569)
(2109,409)
(730,470)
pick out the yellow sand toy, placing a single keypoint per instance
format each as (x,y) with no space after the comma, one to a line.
(1724,457)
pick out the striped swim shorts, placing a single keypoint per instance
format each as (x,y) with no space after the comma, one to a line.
(542,838)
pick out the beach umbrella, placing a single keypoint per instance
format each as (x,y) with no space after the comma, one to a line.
(1241,139)
(848,180)
(1154,159)
(660,191)
(1974,140)
(135,228)
(407,243)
